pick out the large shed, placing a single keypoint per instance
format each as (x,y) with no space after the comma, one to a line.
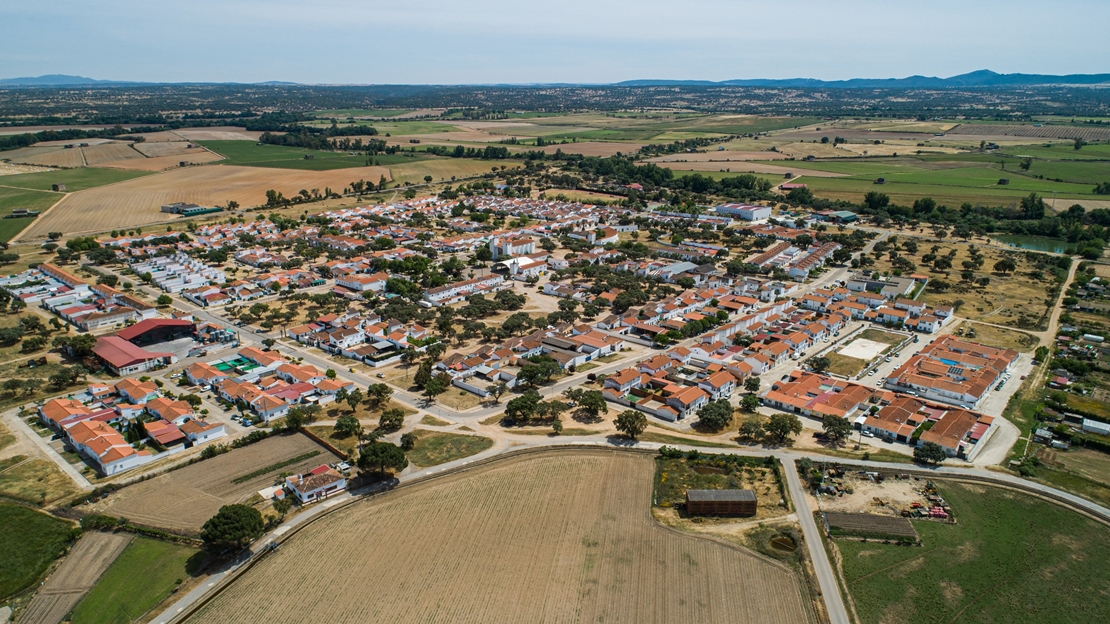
(720,502)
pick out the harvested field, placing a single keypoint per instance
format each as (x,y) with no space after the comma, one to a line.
(137,202)
(867,525)
(1046,132)
(108,152)
(52,157)
(439,169)
(507,543)
(16,169)
(76,575)
(187,497)
(718,156)
(163,148)
(591,148)
(194,156)
(159,137)
(219,134)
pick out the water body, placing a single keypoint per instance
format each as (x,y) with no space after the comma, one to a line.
(1036,243)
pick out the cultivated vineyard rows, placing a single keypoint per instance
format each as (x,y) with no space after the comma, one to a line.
(566,536)
(1047,132)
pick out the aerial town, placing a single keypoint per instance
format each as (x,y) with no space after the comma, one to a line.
(377,345)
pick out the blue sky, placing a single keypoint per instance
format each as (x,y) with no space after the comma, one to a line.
(501,41)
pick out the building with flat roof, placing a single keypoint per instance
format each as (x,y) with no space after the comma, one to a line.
(721,502)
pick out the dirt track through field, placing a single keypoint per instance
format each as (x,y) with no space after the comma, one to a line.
(76,575)
(187,497)
(138,201)
(566,536)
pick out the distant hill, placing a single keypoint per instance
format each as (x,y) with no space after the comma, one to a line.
(981,78)
(62,80)
(57,80)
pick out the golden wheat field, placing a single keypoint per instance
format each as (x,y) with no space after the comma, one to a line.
(195,156)
(138,202)
(563,536)
(109,152)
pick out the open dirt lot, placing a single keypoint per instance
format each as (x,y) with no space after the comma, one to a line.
(187,497)
(863,349)
(154,149)
(16,169)
(509,543)
(229,133)
(137,202)
(75,576)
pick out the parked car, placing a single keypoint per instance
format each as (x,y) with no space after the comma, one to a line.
(868,434)
(380,375)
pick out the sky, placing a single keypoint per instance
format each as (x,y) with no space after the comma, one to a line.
(522,42)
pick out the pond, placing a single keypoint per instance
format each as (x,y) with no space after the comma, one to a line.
(1036,243)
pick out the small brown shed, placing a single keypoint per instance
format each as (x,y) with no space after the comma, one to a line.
(720,502)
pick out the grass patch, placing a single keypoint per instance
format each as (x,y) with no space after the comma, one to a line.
(74,179)
(343,113)
(844,365)
(432,421)
(674,476)
(6,437)
(882,455)
(29,542)
(144,574)
(250,154)
(878,335)
(275,466)
(437,447)
(588,366)
(12,198)
(652,436)
(1000,338)
(326,433)
(39,482)
(1011,558)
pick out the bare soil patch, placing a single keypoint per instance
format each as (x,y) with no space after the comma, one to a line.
(509,543)
(74,577)
(229,133)
(187,497)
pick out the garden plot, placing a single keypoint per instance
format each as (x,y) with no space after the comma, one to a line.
(185,498)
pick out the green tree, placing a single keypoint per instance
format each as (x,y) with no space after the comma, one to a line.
(589,403)
(282,506)
(392,419)
(408,441)
(751,384)
(496,390)
(1041,354)
(379,456)
(781,426)
(435,387)
(523,407)
(164,300)
(348,426)
(836,428)
(715,415)
(354,398)
(378,393)
(233,527)
(749,403)
(929,453)
(631,423)
(819,364)
(752,428)
(1005,265)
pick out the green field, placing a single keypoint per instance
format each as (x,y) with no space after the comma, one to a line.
(11,198)
(29,542)
(74,179)
(1010,558)
(250,154)
(434,448)
(143,575)
(737,170)
(412,127)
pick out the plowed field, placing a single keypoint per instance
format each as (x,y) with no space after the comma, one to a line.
(52,157)
(74,577)
(109,152)
(566,536)
(138,202)
(186,498)
(160,163)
